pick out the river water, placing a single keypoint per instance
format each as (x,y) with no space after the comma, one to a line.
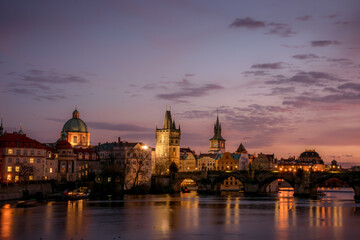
(188,216)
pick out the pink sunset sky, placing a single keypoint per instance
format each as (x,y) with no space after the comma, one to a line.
(283,75)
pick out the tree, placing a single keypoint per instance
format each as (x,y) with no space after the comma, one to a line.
(25,171)
(136,171)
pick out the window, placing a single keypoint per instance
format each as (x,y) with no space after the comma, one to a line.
(9,160)
(86,166)
(31,160)
(31,178)
(17,169)
(25,152)
(83,139)
(50,170)
(17,160)
(16,178)
(9,169)
(10,151)
(75,139)
(38,160)
(18,152)
(32,152)
(39,153)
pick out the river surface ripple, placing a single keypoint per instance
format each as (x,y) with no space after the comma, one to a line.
(188,216)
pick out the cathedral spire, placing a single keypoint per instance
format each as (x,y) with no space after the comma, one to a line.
(217,129)
(1,127)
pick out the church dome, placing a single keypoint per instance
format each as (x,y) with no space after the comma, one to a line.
(309,154)
(75,124)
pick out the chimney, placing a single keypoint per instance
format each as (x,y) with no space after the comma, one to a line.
(119,139)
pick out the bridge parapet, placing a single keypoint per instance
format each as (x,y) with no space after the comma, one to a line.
(304,183)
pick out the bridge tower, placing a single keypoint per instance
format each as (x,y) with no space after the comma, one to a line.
(167,149)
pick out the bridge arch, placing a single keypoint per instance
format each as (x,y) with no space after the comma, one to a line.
(267,181)
(346,178)
(219,180)
(180,180)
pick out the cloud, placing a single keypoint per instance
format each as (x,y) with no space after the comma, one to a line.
(330,16)
(341,23)
(324,43)
(307,78)
(40,84)
(187,89)
(305,56)
(304,18)
(276,65)
(189,75)
(351,86)
(247,23)
(280,29)
(38,76)
(117,126)
(255,73)
(281,91)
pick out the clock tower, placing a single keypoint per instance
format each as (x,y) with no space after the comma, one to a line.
(217,142)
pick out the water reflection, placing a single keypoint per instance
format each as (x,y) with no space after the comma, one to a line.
(6,221)
(187,215)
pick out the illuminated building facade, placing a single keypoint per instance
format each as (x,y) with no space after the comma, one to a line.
(75,131)
(167,149)
(21,158)
(229,162)
(264,162)
(206,162)
(188,160)
(309,160)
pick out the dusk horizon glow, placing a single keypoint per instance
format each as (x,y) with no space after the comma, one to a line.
(283,77)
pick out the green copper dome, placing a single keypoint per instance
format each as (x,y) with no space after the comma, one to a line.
(75,124)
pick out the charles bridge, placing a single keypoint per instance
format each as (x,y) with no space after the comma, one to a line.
(305,184)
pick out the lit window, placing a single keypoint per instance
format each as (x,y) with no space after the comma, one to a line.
(16,178)
(17,169)
(10,151)
(8,177)
(31,160)
(86,166)
(9,168)
(50,170)
(31,178)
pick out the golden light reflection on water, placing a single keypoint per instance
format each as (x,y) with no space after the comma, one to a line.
(285,213)
(74,216)
(6,221)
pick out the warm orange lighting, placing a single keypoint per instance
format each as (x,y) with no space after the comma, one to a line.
(144,147)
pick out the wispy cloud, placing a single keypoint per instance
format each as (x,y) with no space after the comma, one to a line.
(247,23)
(304,18)
(43,85)
(188,90)
(274,28)
(276,65)
(324,43)
(307,78)
(305,56)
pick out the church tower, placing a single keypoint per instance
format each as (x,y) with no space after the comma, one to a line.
(217,142)
(167,149)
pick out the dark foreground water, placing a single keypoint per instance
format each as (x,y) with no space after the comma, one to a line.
(188,216)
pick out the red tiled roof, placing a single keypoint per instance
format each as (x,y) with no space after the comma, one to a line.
(19,140)
(63,144)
